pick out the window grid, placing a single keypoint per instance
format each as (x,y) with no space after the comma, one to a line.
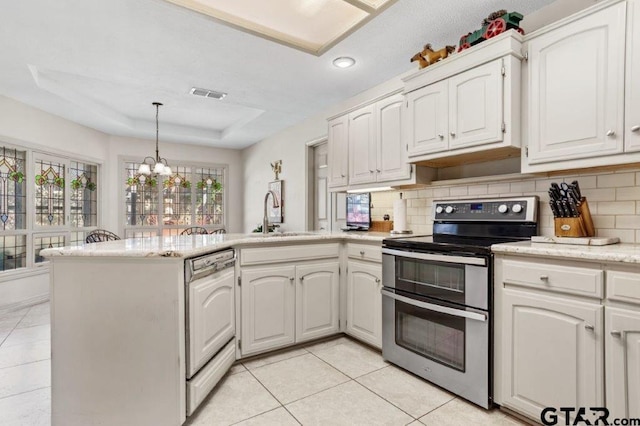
(191,196)
(13,252)
(49,193)
(13,211)
(84,197)
(43,242)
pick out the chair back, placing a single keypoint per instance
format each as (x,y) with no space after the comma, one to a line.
(197,230)
(218,231)
(100,235)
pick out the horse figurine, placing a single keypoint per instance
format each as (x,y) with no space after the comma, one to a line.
(428,56)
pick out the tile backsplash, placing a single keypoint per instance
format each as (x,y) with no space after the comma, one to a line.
(614,200)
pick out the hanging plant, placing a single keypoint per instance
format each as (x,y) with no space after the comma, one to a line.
(16,176)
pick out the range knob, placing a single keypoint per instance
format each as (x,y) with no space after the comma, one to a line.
(439,209)
(503,208)
(516,208)
(449,209)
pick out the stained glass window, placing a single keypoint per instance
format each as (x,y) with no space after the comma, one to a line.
(13,209)
(43,242)
(49,190)
(13,252)
(192,195)
(84,194)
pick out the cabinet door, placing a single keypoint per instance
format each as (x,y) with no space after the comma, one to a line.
(338,146)
(268,308)
(576,88)
(552,352)
(476,106)
(362,145)
(426,119)
(622,354)
(392,152)
(211,316)
(317,300)
(364,302)
(632,82)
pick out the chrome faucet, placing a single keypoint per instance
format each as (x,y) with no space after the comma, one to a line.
(265,219)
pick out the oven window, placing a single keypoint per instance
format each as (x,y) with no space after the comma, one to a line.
(434,335)
(444,281)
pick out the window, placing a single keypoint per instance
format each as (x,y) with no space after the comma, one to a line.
(194,195)
(63,195)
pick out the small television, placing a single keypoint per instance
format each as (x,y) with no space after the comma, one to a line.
(359,211)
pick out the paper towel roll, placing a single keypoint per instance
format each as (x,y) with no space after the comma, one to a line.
(400,215)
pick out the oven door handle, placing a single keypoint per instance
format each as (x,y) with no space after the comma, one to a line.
(442,309)
(437,257)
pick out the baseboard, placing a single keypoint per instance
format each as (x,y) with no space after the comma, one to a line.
(41,298)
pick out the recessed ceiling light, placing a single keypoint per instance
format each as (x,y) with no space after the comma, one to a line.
(344,62)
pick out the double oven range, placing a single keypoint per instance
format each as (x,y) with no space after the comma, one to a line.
(437,292)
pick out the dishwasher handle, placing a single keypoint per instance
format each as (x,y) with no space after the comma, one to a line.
(205,266)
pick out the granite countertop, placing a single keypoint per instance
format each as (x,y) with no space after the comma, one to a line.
(194,245)
(624,252)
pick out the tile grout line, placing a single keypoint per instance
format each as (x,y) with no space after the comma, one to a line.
(22,393)
(25,363)
(385,399)
(14,328)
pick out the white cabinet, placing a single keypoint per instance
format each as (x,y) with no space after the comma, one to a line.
(376,151)
(338,147)
(317,300)
(466,108)
(575,91)
(364,301)
(362,145)
(268,308)
(460,112)
(632,83)
(211,316)
(552,352)
(622,352)
(288,302)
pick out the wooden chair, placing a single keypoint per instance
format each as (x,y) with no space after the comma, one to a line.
(218,231)
(195,230)
(100,235)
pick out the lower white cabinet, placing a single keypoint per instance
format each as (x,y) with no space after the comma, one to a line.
(622,352)
(552,352)
(364,301)
(268,308)
(287,304)
(317,300)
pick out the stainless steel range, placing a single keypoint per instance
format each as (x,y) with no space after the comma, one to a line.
(437,294)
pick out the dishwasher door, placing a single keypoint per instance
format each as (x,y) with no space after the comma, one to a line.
(210,308)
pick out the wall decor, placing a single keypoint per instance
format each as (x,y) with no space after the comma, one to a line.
(277,168)
(428,56)
(275,213)
(494,24)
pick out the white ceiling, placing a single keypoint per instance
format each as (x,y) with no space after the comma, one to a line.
(102,63)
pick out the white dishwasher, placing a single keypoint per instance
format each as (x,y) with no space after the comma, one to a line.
(210,323)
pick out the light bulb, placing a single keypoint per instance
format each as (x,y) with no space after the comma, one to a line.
(144,169)
(158,168)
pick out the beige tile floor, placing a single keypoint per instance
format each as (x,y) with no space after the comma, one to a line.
(338,382)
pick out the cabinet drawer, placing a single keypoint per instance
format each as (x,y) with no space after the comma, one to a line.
(623,286)
(365,252)
(550,276)
(288,253)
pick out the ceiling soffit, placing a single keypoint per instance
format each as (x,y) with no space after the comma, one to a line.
(313,26)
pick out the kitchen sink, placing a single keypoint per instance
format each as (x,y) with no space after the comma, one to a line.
(280,234)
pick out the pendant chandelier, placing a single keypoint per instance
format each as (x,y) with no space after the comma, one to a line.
(158,165)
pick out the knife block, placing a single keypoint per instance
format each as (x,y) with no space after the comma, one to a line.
(581,226)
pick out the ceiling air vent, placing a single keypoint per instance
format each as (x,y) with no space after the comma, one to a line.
(207,93)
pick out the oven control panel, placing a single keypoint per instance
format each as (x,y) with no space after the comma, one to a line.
(520,209)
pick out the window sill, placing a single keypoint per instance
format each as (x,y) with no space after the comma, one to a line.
(23,273)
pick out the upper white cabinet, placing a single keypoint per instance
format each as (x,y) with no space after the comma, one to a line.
(467,107)
(377,152)
(362,145)
(632,84)
(460,112)
(338,147)
(582,104)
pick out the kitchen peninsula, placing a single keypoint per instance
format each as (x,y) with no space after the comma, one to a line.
(120,316)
